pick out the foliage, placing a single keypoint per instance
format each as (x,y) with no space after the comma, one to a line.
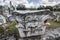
(21,7)
(12,30)
(54,24)
(39,8)
(31,8)
(56,9)
(1,32)
(49,7)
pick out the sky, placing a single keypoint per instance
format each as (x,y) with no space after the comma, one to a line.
(32,3)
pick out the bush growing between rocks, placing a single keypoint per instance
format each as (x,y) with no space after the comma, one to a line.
(10,31)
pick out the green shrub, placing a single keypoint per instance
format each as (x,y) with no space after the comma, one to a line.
(12,30)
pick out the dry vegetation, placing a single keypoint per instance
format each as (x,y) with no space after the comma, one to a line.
(53,24)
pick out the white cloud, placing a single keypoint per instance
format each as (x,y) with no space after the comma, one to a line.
(28,5)
(47,3)
(25,2)
(45,0)
(31,4)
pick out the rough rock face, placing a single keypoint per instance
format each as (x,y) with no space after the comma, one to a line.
(51,34)
(57,15)
(2,20)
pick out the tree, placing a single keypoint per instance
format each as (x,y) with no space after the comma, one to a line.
(40,7)
(21,7)
(56,9)
(49,7)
